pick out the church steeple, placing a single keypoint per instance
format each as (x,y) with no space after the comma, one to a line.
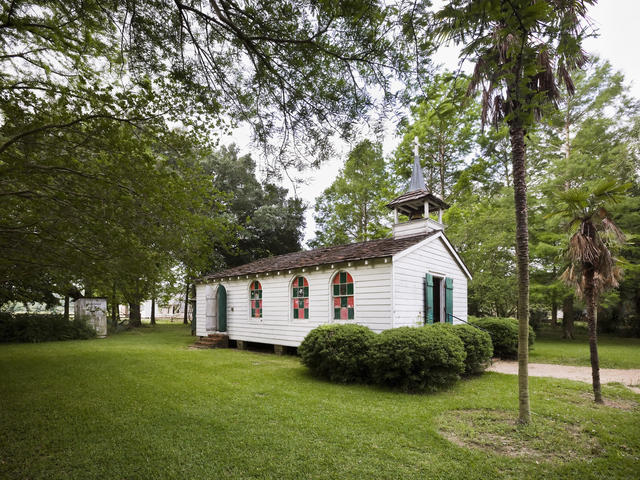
(417,178)
(416,204)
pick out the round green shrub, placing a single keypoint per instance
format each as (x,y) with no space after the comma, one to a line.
(417,359)
(338,352)
(477,344)
(504,335)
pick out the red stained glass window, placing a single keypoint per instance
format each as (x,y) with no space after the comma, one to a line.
(255,296)
(342,289)
(300,298)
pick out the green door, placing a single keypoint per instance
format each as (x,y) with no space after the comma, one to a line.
(448,300)
(428,299)
(222,308)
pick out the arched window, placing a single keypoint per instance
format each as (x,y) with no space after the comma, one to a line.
(256,299)
(342,286)
(300,298)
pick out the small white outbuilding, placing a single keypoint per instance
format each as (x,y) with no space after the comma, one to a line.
(413,278)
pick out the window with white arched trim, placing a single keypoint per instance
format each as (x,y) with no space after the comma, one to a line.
(300,298)
(255,295)
(343,301)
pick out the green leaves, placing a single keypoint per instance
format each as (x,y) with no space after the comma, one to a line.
(446,124)
(515,45)
(353,207)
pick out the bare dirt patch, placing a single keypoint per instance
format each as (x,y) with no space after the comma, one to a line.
(496,431)
(611,395)
(612,402)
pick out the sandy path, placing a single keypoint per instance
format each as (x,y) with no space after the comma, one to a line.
(630,378)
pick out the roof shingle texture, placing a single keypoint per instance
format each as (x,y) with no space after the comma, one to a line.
(322,256)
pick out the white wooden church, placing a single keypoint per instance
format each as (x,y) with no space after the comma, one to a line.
(414,277)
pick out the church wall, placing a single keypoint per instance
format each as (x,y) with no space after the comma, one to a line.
(409,269)
(372,297)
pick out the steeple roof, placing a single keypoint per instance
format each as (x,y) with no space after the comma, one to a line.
(417,178)
(412,202)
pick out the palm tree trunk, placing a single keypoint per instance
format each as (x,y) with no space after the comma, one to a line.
(567,317)
(518,159)
(590,297)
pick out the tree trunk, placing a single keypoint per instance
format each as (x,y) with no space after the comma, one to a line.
(135,319)
(592,319)
(567,136)
(66,307)
(518,159)
(153,311)
(554,313)
(114,307)
(186,305)
(506,173)
(567,318)
(114,313)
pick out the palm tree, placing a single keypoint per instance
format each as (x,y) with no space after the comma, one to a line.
(592,268)
(521,49)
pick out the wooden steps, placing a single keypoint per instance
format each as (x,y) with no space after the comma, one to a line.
(213,340)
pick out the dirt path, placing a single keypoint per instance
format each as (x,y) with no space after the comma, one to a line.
(630,378)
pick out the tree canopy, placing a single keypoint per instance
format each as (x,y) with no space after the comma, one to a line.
(107,109)
(265,221)
(353,207)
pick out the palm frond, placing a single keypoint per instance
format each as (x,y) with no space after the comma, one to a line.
(545,80)
(564,75)
(609,226)
(582,248)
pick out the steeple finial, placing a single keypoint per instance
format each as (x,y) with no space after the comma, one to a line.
(417,179)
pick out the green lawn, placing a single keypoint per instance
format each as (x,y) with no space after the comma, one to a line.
(141,406)
(614,352)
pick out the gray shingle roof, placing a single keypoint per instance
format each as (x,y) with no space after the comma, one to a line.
(321,256)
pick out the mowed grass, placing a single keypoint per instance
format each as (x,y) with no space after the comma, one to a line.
(613,352)
(140,405)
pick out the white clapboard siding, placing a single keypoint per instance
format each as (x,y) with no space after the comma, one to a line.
(372,289)
(408,229)
(409,269)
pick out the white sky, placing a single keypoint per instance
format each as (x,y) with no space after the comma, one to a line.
(615,21)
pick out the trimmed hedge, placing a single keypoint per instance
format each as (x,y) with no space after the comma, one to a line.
(30,328)
(338,352)
(417,359)
(504,334)
(477,344)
